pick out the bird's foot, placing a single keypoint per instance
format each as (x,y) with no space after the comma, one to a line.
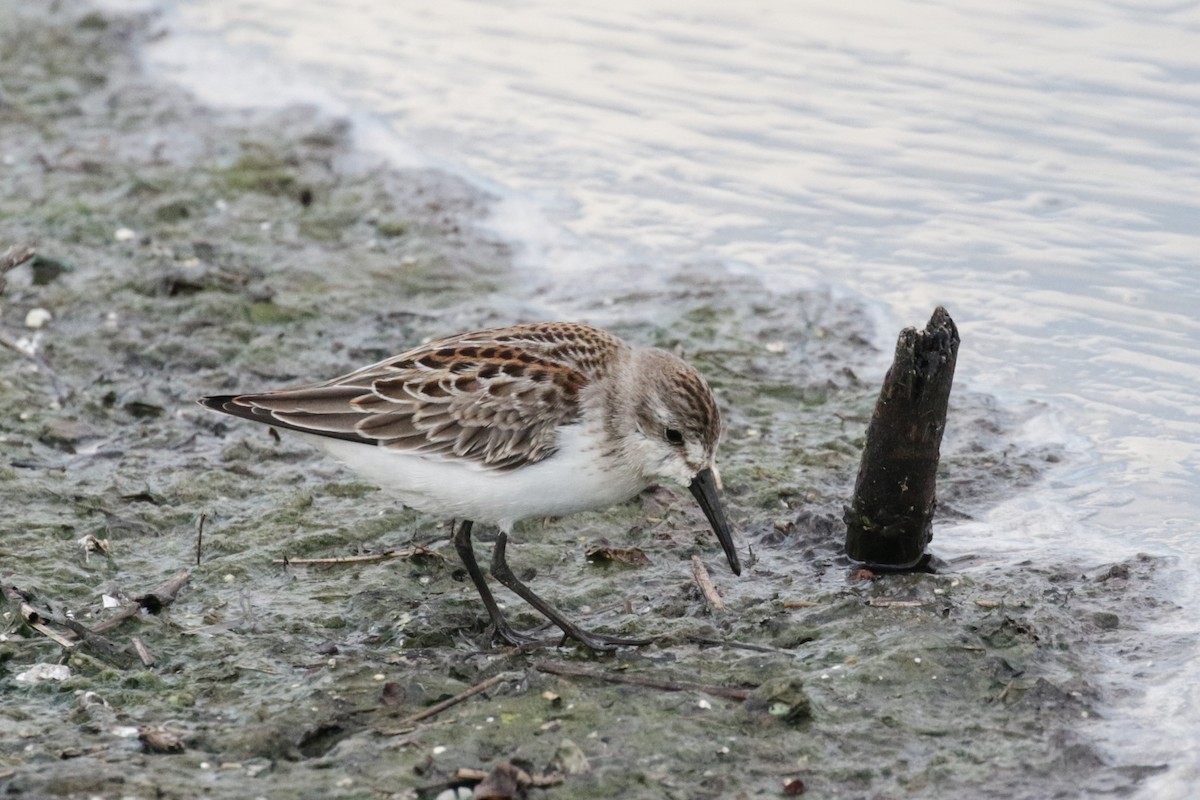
(600,642)
(500,631)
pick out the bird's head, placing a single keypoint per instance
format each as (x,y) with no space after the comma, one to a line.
(673,434)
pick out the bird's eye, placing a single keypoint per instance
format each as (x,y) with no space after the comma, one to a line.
(673,436)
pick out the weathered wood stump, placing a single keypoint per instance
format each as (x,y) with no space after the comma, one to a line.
(890,519)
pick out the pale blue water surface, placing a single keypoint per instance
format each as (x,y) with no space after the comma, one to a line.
(1033,166)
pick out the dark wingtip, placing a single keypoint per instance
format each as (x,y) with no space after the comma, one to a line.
(216,402)
(227,404)
(246,409)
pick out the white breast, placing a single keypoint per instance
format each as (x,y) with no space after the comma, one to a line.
(576,478)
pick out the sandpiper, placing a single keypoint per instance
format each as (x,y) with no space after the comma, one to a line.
(501,425)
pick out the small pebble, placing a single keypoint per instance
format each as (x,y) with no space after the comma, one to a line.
(37,317)
(124,235)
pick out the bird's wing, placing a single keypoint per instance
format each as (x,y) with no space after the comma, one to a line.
(495,398)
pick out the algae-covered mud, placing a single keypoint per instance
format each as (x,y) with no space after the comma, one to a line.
(183,251)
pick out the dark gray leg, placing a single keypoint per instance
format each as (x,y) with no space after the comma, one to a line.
(500,628)
(596,641)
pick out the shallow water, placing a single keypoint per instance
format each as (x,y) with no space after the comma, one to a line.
(1034,168)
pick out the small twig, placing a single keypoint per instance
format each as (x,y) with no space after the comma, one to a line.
(700,573)
(51,634)
(799,604)
(879,602)
(708,641)
(142,652)
(153,602)
(407,729)
(164,594)
(30,614)
(200,536)
(438,708)
(650,683)
(34,617)
(127,612)
(419,550)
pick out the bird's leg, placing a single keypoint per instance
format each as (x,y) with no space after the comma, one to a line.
(500,628)
(597,641)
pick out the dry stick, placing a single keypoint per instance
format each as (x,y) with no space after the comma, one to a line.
(200,536)
(384,556)
(708,641)
(85,636)
(438,708)
(651,683)
(700,573)
(142,652)
(90,640)
(35,618)
(879,602)
(152,601)
(164,594)
(51,634)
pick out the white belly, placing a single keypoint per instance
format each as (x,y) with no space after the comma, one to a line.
(574,479)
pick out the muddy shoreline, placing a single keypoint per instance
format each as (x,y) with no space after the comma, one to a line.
(186,251)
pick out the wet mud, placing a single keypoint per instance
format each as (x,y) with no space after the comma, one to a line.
(184,251)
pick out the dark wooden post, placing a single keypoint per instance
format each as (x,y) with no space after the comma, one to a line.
(890,520)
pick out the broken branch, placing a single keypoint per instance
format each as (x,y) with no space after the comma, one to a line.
(700,573)
(478,688)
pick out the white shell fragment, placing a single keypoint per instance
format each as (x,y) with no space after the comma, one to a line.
(37,317)
(39,673)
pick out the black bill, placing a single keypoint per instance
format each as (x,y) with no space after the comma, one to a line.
(704,489)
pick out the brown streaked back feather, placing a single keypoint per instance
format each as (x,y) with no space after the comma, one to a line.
(493,397)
